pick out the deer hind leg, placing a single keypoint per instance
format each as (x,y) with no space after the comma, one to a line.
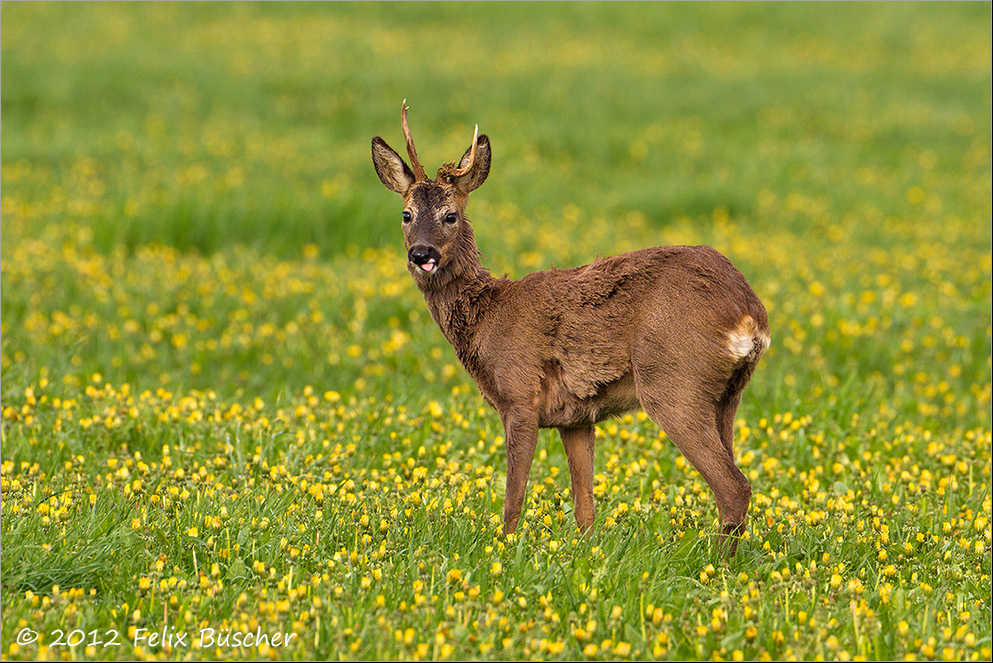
(727,408)
(578,443)
(692,423)
(521,438)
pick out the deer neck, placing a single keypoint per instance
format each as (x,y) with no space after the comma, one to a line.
(459,300)
(459,305)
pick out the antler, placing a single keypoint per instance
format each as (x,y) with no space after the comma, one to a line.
(419,173)
(449,169)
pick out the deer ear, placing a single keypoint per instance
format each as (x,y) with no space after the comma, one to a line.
(392,170)
(480,168)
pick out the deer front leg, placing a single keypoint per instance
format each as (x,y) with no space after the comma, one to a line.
(578,443)
(521,429)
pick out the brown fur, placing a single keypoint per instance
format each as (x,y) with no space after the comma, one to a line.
(675,330)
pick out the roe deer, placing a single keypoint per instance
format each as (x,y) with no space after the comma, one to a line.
(675,330)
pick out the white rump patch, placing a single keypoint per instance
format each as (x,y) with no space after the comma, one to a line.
(745,339)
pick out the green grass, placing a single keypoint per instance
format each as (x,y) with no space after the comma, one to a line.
(225,405)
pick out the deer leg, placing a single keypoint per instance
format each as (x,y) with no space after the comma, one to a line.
(521,438)
(578,443)
(727,408)
(732,491)
(692,427)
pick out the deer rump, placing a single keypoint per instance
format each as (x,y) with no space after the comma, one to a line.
(578,344)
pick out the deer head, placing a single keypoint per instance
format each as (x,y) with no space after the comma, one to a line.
(437,234)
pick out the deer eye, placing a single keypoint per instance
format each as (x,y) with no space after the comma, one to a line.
(406,216)
(451,217)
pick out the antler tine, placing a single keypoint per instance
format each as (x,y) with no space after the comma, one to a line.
(449,169)
(419,173)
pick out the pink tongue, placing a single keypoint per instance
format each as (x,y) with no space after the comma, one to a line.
(428,266)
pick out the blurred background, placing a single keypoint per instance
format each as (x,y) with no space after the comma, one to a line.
(207,124)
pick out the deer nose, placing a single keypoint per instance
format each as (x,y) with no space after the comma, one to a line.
(419,255)
(425,257)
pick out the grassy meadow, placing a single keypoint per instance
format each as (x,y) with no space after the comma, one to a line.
(231,430)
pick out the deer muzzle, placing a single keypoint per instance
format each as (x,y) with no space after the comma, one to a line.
(425,257)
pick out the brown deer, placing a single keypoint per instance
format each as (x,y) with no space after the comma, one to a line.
(675,330)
